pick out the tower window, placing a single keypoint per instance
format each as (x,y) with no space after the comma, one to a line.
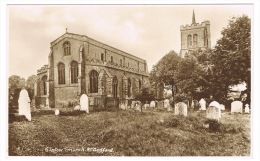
(114,86)
(66,48)
(102,56)
(44,83)
(195,40)
(189,40)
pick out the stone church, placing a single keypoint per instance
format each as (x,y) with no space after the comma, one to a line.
(78,65)
(195,36)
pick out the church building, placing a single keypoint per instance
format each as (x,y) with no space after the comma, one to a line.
(195,36)
(81,65)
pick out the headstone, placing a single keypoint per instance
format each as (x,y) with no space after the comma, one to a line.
(24,104)
(166,103)
(160,104)
(218,108)
(213,113)
(133,104)
(47,102)
(84,104)
(181,108)
(122,106)
(237,106)
(76,108)
(146,106)
(186,102)
(222,107)
(202,103)
(138,106)
(247,110)
(57,112)
(152,104)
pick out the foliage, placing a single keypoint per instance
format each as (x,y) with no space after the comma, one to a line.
(232,55)
(145,96)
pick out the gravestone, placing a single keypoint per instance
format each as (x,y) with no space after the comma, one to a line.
(222,107)
(84,103)
(237,106)
(122,106)
(202,103)
(166,103)
(57,112)
(152,104)
(212,113)
(47,102)
(146,106)
(24,104)
(181,108)
(76,108)
(160,104)
(247,110)
(138,106)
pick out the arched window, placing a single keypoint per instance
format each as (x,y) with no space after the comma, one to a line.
(195,40)
(61,73)
(66,47)
(114,86)
(44,85)
(93,80)
(140,85)
(102,56)
(189,40)
(112,61)
(129,87)
(74,72)
(121,62)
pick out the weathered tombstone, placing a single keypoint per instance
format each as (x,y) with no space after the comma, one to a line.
(202,103)
(77,107)
(222,107)
(84,103)
(166,103)
(160,104)
(181,108)
(152,104)
(237,106)
(57,112)
(146,106)
(214,114)
(24,104)
(247,110)
(138,106)
(122,106)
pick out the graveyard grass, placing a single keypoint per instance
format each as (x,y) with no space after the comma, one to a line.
(131,133)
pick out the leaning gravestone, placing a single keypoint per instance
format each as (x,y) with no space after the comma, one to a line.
(213,111)
(247,110)
(24,104)
(202,103)
(181,109)
(84,106)
(237,106)
(152,104)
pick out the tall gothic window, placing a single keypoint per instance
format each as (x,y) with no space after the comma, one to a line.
(66,47)
(195,39)
(112,61)
(140,85)
(61,73)
(93,79)
(74,72)
(189,40)
(44,81)
(114,86)
(129,87)
(102,56)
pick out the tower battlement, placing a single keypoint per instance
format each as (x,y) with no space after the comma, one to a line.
(43,69)
(195,25)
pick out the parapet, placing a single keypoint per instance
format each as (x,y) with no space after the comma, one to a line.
(196,25)
(43,69)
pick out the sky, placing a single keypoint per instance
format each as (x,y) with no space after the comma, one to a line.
(146,31)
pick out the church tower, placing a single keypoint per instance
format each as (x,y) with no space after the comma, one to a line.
(195,36)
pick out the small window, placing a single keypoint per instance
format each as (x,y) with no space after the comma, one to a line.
(102,56)
(195,39)
(61,73)
(129,87)
(66,47)
(112,61)
(189,40)
(114,86)
(44,84)
(74,72)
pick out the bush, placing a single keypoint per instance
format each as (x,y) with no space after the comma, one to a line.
(214,125)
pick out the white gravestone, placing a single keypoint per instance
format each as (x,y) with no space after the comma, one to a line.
(237,106)
(84,103)
(57,112)
(181,109)
(222,107)
(122,106)
(247,110)
(138,106)
(152,104)
(213,113)
(218,108)
(76,108)
(146,106)
(166,103)
(202,103)
(24,104)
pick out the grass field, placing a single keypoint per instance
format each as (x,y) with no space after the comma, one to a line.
(130,133)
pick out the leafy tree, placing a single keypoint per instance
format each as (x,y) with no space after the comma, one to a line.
(232,55)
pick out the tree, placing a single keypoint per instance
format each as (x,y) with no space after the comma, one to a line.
(232,55)
(164,72)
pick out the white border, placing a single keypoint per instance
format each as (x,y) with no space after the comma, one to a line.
(4,79)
